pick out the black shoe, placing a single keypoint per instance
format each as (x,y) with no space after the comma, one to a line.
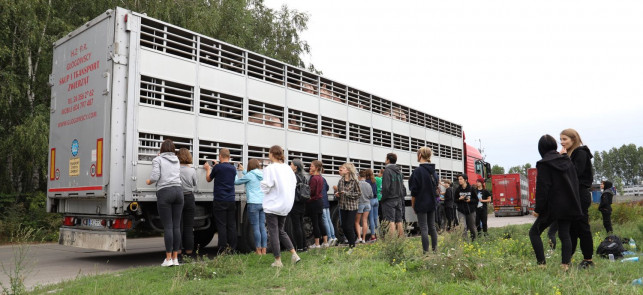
(585,264)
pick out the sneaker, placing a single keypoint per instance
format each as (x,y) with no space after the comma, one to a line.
(585,264)
(373,240)
(175,262)
(295,258)
(313,246)
(167,263)
(277,263)
(333,241)
(350,251)
(359,240)
(325,245)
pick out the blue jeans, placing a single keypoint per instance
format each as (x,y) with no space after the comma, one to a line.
(257,219)
(328,223)
(373,218)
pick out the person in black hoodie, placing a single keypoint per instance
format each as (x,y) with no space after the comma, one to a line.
(557,199)
(423,184)
(582,159)
(466,201)
(484,197)
(606,205)
(393,193)
(449,205)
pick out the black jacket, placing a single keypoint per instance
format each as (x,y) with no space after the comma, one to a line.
(449,202)
(485,195)
(557,187)
(422,187)
(582,159)
(462,205)
(606,201)
(393,183)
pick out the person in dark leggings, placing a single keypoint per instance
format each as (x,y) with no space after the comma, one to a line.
(484,198)
(169,199)
(278,186)
(606,205)
(315,206)
(298,211)
(466,201)
(449,204)
(582,159)
(188,182)
(347,191)
(557,199)
(423,184)
(224,207)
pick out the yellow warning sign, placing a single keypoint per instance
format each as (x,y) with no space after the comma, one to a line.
(74,167)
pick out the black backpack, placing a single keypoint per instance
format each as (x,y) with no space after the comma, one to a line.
(302,191)
(611,245)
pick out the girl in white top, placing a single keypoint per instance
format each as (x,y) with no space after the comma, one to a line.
(278,186)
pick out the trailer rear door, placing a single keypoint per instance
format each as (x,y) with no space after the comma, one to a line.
(80,111)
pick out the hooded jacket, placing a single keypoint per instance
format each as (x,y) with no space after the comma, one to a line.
(421,185)
(557,189)
(393,183)
(166,171)
(582,159)
(606,198)
(252,180)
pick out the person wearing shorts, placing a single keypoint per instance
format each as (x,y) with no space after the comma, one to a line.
(393,192)
(363,208)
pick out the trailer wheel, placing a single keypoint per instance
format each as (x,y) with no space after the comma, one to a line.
(247,238)
(203,237)
(334,216)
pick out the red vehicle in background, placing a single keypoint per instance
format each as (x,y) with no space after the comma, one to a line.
(475,167)
(532,173)
(510,194)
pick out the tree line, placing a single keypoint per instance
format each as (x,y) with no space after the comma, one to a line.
(28,30)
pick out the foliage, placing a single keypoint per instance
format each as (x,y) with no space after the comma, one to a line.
(520,169)
(28,30)
(622,165)
(20,266)
(497,170)
(27,212)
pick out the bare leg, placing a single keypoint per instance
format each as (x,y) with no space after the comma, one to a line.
(358,228)
(364,225)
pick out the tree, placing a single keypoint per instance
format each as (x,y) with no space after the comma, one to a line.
(497,170)
(520,169)
(623,166)
(29,28)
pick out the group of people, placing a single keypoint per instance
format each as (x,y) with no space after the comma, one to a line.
(280,191)
(563,197)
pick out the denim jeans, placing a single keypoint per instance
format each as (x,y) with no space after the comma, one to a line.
(169,202)
(373,218)
(257,219)
(275,225)
(328,223)
(426,221)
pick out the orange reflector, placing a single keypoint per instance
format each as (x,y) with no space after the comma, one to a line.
(99,157)
(52,165)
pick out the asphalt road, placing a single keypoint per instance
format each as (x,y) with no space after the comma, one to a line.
(51,263)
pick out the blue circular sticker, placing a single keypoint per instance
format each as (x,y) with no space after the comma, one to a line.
(74,147)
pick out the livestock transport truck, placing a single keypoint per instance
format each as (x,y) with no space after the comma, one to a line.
(510,194)
(124,82)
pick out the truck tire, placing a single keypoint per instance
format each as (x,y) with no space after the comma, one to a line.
(203,237)
(246,241)
(334,216)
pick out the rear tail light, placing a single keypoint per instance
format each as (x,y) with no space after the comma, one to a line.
(121,223)
(68,221)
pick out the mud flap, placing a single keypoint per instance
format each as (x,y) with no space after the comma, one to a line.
(100,240)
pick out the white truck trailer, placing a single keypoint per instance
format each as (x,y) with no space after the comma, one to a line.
(124,82)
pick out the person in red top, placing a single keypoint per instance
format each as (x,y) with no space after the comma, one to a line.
(315,205)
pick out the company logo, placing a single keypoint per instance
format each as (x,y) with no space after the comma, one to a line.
(74,147)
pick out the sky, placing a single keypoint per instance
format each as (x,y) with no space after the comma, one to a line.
(507,71)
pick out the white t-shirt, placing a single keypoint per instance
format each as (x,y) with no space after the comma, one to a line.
(278,185)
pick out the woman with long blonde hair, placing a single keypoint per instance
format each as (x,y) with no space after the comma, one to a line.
(582,159)
(347,191)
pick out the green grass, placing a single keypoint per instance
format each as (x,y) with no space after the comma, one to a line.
(493,265)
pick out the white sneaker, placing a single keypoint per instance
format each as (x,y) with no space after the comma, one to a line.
(313,246)
(325,245)
(359,240)
(167,263)
(295,258)
(175,262)
(277,263)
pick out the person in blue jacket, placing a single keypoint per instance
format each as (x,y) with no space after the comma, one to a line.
(252,179)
